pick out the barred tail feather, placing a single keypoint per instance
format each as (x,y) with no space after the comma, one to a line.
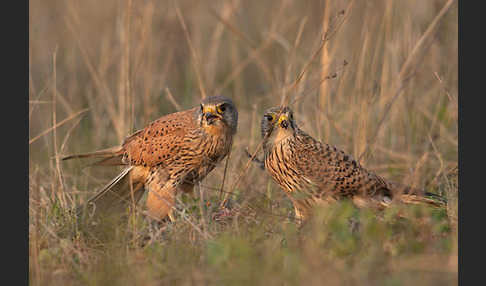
(411,195)
(110,156)
(415,199)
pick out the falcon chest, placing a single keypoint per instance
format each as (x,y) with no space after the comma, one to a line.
(217,142)
(213,146)
(280,163)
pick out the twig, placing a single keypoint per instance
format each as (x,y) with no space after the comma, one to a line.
(224,175)
(232,28)
(195,60)
(54,120)
(171,99)
(260,163)
(243,64)
(326,37)
(240,175)
(437,154)
(331,75)
(99,84)
(57,125)
(404,74)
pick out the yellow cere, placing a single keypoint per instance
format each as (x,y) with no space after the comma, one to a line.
(282,118)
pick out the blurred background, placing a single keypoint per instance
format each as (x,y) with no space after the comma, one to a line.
(378,79)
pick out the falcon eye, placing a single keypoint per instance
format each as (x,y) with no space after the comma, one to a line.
(269,117)
(222,108)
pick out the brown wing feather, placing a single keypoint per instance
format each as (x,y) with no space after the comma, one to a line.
(334,171)
(161,139)
(121,191)
(329,168)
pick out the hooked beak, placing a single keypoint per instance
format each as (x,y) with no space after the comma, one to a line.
(210,114)
(283,121)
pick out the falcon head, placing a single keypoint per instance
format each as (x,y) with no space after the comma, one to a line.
(277,124)
(218,112)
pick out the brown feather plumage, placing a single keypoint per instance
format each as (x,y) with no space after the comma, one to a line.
(171,154)
(312,172)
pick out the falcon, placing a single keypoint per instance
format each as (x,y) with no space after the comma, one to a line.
(166,157)
(311,172)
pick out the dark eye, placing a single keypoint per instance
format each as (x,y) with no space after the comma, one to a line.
(269,117)
(222,107)
(291,116)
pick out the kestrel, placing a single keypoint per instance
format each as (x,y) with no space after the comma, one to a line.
(169,155)
(311,172)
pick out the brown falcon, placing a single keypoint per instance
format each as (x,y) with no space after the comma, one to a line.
(171,154)
(312,172)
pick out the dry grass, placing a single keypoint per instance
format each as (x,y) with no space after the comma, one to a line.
(377,78)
